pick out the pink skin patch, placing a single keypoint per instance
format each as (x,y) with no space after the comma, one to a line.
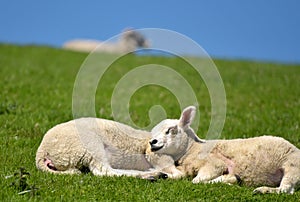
(229,163)
(49,164)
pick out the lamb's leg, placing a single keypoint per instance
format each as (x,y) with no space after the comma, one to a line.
(130,173)
(207,174)
(173,172)
(228,179)
(102,169)
(166,164)
(99,165)
(212,169)
(290,179)
(140,174)
(287,185)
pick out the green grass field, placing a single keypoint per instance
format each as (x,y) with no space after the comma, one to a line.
(36,85)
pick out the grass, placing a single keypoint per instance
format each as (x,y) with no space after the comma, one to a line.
(36,94)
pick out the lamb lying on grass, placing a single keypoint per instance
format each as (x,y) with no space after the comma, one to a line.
(267,160)
(130,40)
(101,146)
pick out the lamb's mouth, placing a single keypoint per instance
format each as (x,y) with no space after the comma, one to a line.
(156,148)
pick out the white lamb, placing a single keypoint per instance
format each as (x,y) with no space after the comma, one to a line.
(130,40)
(101,146)
(267,161)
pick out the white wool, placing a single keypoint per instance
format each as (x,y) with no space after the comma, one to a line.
(130,40)
(104,147)
(267,160)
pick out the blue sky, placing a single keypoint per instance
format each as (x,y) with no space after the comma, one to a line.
(234,29)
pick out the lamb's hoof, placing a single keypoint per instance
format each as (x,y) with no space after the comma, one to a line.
(159,176)
(195,180)
(256,191)
(270,190)
(262,190)
(163,176)
(151,179)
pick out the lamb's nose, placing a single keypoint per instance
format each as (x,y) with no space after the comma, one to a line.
(152,142)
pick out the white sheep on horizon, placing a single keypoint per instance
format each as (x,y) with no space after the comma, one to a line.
(267,160)
(129,41)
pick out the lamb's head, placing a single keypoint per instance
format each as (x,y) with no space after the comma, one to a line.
(173,137)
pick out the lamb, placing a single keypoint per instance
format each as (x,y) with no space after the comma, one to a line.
(101,146)
(267,161)
(130,41)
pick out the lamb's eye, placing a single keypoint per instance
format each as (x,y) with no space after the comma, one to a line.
(172,130)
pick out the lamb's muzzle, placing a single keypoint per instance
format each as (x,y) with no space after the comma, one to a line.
(153,145)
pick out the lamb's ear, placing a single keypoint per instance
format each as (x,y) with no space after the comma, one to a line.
(187,116)
(190,132)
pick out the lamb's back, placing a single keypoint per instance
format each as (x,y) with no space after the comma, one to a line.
(112,134)
(257,160)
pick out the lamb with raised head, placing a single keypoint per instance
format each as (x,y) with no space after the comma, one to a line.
(101,146)
(267,161)
(130,40)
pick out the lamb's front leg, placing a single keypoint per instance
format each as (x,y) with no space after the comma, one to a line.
(165,164)
(173,172)
(211,172)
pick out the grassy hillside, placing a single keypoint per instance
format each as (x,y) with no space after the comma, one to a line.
(36,85)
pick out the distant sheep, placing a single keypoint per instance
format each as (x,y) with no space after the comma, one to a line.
(130,40)
(101,146)
(267,160)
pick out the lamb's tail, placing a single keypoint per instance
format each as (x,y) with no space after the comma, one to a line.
(43,162)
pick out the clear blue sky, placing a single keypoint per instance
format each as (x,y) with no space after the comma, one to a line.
(256,29)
